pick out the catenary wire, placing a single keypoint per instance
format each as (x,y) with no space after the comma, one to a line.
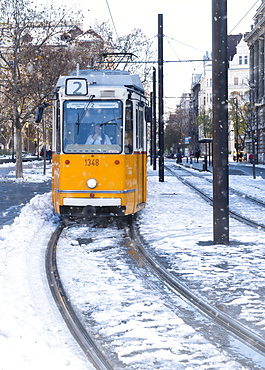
(112,19)
(243,17)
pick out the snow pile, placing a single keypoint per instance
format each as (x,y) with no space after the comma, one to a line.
(32,172)
(32,333)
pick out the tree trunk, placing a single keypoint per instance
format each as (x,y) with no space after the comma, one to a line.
(19,168)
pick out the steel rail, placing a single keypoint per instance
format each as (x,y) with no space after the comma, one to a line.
(225,321)
(63,303)
(234,191)
(233,214)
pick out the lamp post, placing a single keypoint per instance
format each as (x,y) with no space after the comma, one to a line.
(257,131)
(254,153)
(252,126)
(27,127)
(236,102)
(160,97)
(251,134)
(13,142)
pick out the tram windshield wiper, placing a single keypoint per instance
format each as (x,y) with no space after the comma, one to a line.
(81,116)
(110,121)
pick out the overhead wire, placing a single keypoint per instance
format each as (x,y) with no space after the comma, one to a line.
(183,43)
(172,47)
(112,19)
(244,16)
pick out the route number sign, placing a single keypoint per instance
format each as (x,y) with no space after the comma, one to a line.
(76,86)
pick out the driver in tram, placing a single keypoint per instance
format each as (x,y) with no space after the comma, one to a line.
(98,138)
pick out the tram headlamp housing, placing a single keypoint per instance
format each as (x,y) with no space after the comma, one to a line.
(91,183)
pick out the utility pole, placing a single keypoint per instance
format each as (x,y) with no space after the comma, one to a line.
(151,131)
(252,125)
(160,98)
(237,154)
(220,122)
(154,119)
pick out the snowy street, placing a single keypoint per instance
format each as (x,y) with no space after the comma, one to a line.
(140,327)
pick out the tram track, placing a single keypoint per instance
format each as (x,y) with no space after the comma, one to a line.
(233,213)
(98,359)
(86,342)
(225,321)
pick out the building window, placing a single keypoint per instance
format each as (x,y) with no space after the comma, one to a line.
(240,59)
(246,59)
(236,81)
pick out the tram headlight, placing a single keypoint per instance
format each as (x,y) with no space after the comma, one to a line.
(91,183)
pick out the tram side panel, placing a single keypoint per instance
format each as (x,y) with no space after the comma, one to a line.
(134,177)
(140,145)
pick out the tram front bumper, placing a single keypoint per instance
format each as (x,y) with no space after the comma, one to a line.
(95,202)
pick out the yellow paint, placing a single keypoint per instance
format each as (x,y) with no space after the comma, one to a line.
(129,174)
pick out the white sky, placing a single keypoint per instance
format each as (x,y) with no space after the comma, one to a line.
(188,22)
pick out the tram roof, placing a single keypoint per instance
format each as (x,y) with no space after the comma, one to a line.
(104,77)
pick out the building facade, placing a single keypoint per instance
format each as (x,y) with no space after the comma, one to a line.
(238,88)
(256,43)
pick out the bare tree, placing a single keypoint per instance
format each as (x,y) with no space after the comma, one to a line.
(132,52)
(85,48)
(26,61)
(37,46)
(205,124)
(177,128)
(239,115)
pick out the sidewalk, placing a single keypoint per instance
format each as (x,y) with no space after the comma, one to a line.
(235,168)
(15,194)
(192,163)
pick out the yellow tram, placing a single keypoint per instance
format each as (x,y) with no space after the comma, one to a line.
(99,144)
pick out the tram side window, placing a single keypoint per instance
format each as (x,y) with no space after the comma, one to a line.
(58,141)
(139,129)
(128,128)
(141,123)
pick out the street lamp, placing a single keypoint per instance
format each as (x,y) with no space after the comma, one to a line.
(236,129)
(235,100)
(252,121)
(257,106)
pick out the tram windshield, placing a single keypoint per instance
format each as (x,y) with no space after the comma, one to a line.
(92,126)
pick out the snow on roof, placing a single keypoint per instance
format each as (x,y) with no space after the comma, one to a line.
(103,77)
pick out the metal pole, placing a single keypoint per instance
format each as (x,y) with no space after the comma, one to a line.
(38,144)
(13,142)
(257,136)
(254,154)
(154,119)
(44,145)
(237,155)
(220,122)
(160,98)
(151,131)
(252,124)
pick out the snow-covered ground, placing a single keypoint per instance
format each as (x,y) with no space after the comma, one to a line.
(32,172)
(32,333)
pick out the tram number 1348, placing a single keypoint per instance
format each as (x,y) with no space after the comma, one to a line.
(91,162)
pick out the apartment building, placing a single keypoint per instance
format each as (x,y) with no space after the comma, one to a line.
(238,84)
(255,40)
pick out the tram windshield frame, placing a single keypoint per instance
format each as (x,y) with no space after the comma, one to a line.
(92,126)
